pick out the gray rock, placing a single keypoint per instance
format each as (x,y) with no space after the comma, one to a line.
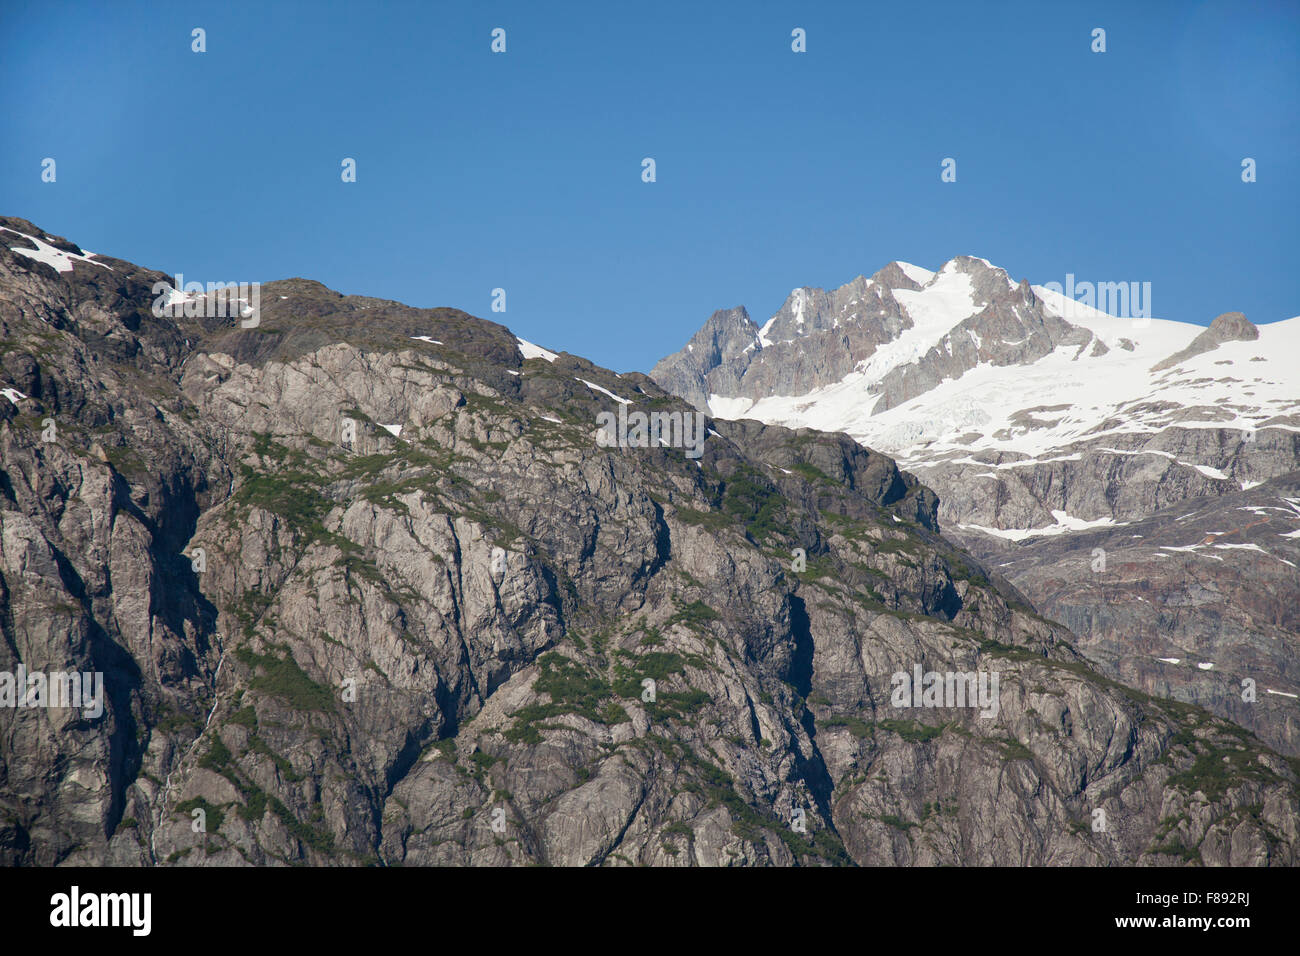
(351,678)
(1228,327)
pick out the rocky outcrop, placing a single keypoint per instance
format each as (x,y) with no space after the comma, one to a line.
(726,341)
(1116,478)
(365,588)
(1229,327)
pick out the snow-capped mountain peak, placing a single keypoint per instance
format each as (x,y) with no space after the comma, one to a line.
(973,379)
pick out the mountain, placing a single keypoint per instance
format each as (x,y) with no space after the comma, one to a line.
(1192,600)
(1047,427)
(367,584)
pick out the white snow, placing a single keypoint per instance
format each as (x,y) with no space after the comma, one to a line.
(594,387)
(729,408)
(12,394)
(1190,549)
(1064,523)
(425,338)
(51,256)
(916,273)
(800,300)
(395,429)
(530,351)
(548,418)
(1103,396)
(178,298)
(1139,451)
(945,301)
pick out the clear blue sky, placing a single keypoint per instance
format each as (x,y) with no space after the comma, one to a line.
(775,169)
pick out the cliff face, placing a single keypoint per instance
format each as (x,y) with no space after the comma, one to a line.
(364,588)
(1196,602)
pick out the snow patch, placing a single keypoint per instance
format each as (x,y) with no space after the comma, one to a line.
(594,387)
(916,273)
(530,351)
(1190,549)
(44,252)
(1064,522)
(721,406)
(800,300)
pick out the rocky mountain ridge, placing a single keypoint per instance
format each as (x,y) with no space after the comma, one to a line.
(365,589)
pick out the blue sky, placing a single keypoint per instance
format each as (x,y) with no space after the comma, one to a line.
(522,170)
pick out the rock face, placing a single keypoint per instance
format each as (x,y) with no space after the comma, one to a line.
(1048,428)
(1188,603)
(1229,327)
(883,328)
(365,588)
(721,345)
